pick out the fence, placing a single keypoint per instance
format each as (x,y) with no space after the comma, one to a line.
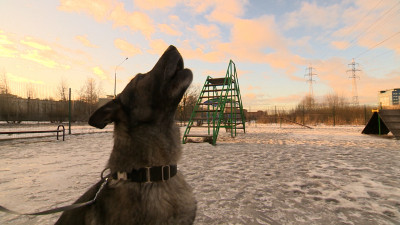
(327,115)
(33,107)
(14,109)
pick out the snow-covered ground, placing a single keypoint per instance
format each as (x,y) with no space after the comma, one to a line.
(270,175)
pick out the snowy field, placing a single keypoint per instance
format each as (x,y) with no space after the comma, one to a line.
(270,175)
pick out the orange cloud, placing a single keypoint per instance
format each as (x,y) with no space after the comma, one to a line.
(288,99)
(111,10)
(158,46)
(30,49)
(41,58)
(83,40)
(99,9)
(155,4)
(269,46)
(226,11)
(251,87)
(99,72)
(250,96)
(7,48)
(369,86)
(165,28)
(20,79)
(199,53)
(127,48)
(340,44)
(333,73)
(312,15)
(380,23)
(207,31)
(40,52)
(136,21)
(34,44)
(222,11)
(200,6)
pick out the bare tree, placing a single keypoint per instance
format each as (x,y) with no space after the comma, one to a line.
(334,100)
(187,103)
(4,85)
(89,94)
(30,91)
(62,89)
(308,102)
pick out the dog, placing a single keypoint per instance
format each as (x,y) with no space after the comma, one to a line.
(144,186)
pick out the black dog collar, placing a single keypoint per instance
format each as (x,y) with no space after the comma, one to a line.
(148,174)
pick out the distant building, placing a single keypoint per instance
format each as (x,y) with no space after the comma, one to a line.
(389,97)
(103,101)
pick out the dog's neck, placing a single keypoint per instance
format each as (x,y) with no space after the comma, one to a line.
(144,146)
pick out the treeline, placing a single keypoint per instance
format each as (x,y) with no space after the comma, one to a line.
(332,110)
(15,109)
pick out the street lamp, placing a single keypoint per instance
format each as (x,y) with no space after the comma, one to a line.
(115,77)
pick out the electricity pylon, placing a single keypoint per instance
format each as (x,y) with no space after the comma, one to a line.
(354,77)
(309,76)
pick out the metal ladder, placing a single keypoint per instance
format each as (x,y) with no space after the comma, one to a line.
(219,105)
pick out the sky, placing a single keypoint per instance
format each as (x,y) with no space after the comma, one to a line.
(273,44)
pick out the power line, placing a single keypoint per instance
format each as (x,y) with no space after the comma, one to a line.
(381,54)
(355,25)
(378,44)
(364,17)
(352,42)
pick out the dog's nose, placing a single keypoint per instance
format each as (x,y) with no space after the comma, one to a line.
(171,48)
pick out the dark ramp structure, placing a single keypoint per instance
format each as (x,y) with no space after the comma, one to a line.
(383,122)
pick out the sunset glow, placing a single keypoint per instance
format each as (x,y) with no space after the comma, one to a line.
(271,43)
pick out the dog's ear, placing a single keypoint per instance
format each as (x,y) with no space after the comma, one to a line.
(104,115)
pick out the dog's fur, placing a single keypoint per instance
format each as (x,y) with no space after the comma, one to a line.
(145,135)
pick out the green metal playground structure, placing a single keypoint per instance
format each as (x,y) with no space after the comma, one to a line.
(219,105)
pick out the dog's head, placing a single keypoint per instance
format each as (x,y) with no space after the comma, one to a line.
(148,98)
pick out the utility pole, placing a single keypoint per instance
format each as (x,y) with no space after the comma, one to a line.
(115,77)
(309,76)
(354,76)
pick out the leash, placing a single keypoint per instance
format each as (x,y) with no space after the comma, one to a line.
(59,209)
